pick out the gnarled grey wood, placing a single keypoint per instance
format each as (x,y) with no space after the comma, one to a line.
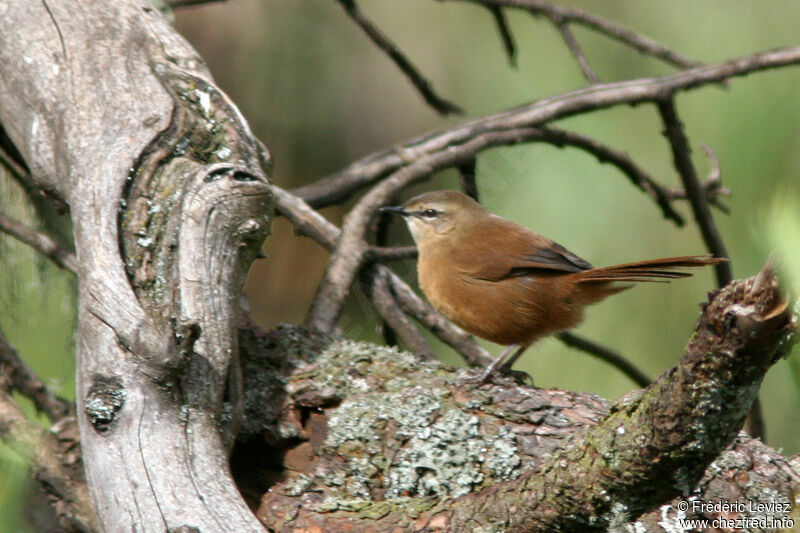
(167,188)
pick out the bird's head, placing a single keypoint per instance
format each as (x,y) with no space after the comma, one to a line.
(435,215)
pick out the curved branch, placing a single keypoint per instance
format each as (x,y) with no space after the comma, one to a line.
(23,379)
(367,171)
(448,332)
(377,285)
(606,354)
(640,178)
(649,448)
(39,242)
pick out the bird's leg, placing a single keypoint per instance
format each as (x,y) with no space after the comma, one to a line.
(506,367)
(498,364)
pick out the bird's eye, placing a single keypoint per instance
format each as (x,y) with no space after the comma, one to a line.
(429,213)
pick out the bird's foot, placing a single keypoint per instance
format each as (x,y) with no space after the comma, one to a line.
(501,367)
(482,376)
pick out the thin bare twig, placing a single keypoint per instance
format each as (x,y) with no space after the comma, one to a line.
(40,242)
(24,179)
(697,196)
(605,27)
(309,223)
(20,377)
(606,354)
(605,154)
(19,172)
(441,105)
(712,186)
(306,221)
(466,178)
(383,299)
(681,153)
(576,50)
(377,286)
(342,185)
(383,254)
(505,33)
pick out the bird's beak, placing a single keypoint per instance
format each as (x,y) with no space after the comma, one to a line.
(396,209)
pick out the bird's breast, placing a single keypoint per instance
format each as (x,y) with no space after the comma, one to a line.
(509,311)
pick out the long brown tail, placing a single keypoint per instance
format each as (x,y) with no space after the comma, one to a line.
(651,270)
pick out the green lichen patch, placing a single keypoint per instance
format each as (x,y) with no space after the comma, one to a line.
(388,428)
(398,433)
(374,510)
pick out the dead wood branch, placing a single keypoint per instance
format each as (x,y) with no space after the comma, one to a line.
(647,449)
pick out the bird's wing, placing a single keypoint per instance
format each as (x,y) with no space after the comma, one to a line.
(500,251)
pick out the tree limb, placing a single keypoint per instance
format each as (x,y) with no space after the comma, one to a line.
(650,447)
(370,169)
(681,153)
(19,376)
(54,455)
(39,242)
(606,354)
(378,286)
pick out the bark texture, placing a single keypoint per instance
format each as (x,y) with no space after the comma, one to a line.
(167,188)
(376,440)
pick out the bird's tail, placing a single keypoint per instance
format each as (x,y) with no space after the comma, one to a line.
(651,270)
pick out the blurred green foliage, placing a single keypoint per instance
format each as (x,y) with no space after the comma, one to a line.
(37,315)
(783,227)
(320,96)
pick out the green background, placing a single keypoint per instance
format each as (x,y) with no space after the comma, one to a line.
(320,96)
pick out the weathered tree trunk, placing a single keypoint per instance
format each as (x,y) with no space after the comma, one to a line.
(167,188)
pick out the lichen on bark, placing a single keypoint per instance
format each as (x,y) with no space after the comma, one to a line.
(382,439)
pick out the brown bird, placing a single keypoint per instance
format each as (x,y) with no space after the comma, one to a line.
(505,283)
